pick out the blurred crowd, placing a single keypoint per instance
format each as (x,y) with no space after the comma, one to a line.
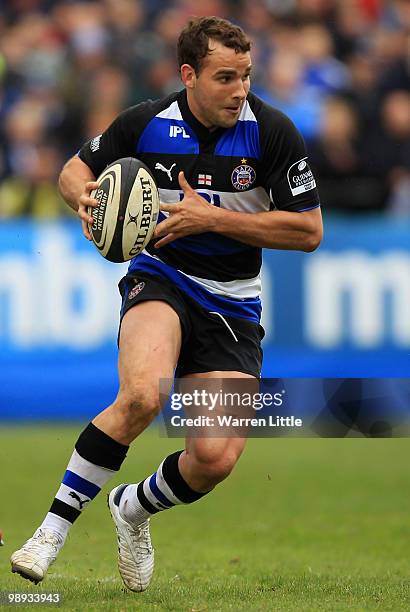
(339,68)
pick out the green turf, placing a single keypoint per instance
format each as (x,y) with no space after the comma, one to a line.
(302,524)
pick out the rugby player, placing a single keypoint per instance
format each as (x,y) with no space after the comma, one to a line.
(233,178)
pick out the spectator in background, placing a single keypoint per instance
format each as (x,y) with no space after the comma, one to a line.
(395,71)
(353,22)
(106,93)
(395,15)
(125,21)
(285,89)
(389,150)
(346,184)
(34,161)
(25,127)
(322,70)
(32,189)
(363,91)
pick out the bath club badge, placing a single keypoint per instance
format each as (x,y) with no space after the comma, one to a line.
(243,176)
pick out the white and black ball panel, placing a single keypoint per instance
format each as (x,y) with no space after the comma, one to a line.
(105,215)
(127,211)
(141,213)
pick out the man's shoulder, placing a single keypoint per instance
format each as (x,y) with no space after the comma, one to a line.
(148,109)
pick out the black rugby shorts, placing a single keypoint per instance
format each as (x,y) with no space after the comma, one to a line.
(209,342)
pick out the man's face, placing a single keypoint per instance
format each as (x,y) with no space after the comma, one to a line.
(216,95)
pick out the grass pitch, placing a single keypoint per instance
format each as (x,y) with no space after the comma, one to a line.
(302,524)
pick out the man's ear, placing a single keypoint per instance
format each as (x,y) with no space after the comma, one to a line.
(188,76)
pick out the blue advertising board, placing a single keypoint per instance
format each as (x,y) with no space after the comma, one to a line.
(342,311)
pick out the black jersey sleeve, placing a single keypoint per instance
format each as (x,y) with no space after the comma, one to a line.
(118,140)
(288,179)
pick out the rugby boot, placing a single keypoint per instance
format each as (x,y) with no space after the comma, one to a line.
(34,558)
(135,552)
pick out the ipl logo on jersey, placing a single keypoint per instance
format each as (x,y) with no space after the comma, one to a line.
(243,176)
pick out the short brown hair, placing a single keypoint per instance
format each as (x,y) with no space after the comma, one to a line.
(193,42)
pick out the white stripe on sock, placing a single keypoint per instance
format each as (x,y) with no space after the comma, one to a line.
(91,472)
(150,496)
(63,494)
(164,488)
(57,524)
(130,507)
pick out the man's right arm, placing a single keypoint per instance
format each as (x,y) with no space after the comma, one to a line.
(77,178)
(75,184)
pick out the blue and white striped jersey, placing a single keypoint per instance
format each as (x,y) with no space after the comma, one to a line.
(258,165)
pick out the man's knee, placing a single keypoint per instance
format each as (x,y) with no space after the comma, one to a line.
(214,465)
(138,404)
(217,471)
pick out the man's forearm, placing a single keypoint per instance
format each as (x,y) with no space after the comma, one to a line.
(272,230)
(73,178)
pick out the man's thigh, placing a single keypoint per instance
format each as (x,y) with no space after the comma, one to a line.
(153,323)
(149,343)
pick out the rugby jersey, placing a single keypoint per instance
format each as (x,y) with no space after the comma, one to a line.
(260,164)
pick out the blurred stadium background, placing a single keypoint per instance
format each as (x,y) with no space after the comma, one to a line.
(339,68)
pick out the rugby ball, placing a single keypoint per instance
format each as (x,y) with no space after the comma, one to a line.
(127,211)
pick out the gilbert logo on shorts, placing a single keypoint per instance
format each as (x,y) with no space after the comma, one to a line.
(136,290)
(300,177)
(243,176)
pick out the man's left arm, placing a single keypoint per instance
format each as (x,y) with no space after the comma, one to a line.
(278,229)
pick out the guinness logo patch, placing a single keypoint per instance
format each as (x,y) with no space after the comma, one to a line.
(300,177)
